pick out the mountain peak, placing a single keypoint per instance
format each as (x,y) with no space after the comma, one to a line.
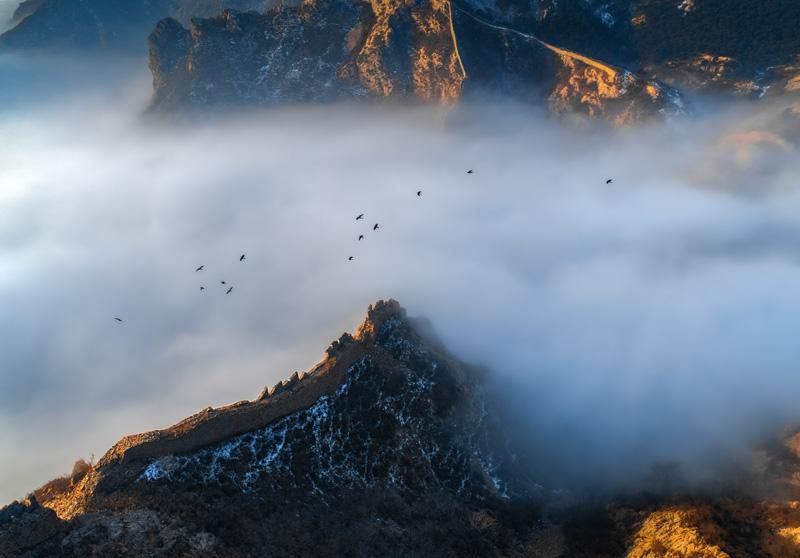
(386,414)
(386,363)
(383,316)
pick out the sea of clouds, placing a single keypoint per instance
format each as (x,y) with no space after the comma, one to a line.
(654,318)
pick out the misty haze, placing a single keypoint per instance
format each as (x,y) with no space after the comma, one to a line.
(568,263)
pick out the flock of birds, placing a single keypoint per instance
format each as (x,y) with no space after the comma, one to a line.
(376,226)
(359,217)
(242,258)
(200,268)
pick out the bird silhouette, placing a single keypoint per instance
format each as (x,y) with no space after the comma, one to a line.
(360,216)
(350,259)
(222,283)
(118,319)
(470,171)
(609,181)
(229,291)
(200,268)
(243,258)
(361,237)
(202,288)
(419,193)
(376,227)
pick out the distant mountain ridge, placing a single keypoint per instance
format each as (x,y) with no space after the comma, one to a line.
(621,60)
(614,60)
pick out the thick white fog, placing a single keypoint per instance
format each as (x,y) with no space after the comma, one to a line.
(652,318)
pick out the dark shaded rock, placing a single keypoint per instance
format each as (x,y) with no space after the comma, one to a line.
(25,526)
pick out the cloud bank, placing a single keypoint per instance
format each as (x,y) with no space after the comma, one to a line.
(651,318)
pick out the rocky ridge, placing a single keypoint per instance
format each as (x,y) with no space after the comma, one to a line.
(387,413)
(389,446)
(424,51)
(618,60)
(621,60)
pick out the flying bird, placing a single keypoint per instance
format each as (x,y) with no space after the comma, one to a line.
(202,288)
(229,291)
(470,171)
(118,319)
(243,258)
(350,259)
(360,216)
(222,283)
(376,227)
(200,268)
(419,193)
(609,181)
(361,237)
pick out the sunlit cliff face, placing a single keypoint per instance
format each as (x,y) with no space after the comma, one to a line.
(614,308)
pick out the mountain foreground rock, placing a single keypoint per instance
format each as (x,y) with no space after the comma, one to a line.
(390,446)
(387,436)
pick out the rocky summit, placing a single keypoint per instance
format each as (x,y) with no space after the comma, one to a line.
(388,441)
(389,446)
